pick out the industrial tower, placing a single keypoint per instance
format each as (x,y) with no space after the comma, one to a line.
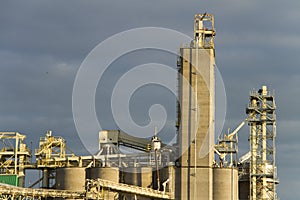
(150,173)
(262,122)
(196,106)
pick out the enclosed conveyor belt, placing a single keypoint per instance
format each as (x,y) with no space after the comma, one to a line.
(12,192)
(118,137)
(95,191)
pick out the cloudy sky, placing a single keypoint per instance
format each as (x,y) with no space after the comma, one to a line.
(43,43)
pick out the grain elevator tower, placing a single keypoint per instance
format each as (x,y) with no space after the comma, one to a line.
(196,107)
(262,121)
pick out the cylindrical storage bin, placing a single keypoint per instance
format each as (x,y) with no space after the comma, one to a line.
(146,173)
(138,176)
(106,173)
(225,184)
(146,180)
(70,178)
(132,176)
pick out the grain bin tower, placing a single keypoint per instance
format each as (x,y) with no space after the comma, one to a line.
(196,63)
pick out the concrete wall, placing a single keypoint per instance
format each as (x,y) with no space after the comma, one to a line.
(196,131)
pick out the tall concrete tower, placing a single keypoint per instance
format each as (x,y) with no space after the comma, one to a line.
(196,107)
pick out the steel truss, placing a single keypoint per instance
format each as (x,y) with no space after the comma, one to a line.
(262,122)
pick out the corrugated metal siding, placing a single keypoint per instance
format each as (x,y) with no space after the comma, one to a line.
(9,179)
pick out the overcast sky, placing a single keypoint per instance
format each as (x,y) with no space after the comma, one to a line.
(43,43)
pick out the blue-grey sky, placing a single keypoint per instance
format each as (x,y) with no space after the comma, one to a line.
(42,44)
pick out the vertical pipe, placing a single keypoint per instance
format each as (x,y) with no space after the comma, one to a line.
(232,184)
(16,153)
(253,154)
(195,121)
(211,115)
(274,160)
(189,127)
(264,147)
(157,171)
